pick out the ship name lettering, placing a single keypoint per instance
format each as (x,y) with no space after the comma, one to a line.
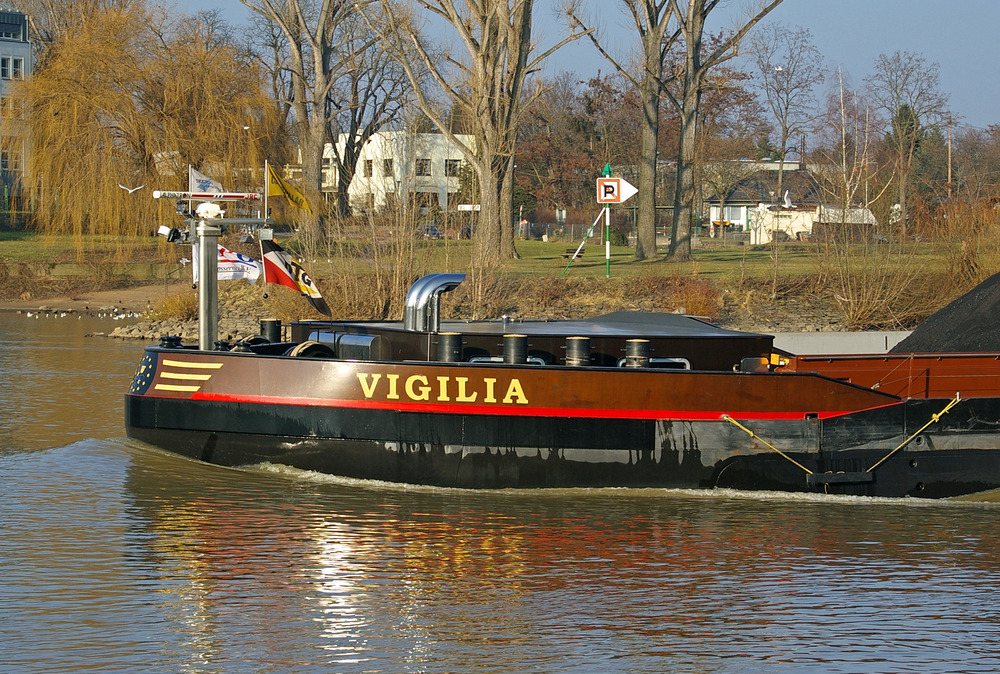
(418,387)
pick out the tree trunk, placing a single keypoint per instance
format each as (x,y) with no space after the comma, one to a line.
(680,231)
(347,168)
(487,242)
(507,248)
(646,216)
(312,137)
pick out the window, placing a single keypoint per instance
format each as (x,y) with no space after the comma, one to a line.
(387,168)
(18,69)
(10,161)
(451,167)
(10,28)
(5,68)
(368,168)
(423,167)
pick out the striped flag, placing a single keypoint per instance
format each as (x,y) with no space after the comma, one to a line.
(232,266)
(281,268)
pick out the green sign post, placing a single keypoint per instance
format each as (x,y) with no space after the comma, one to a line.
(611,190)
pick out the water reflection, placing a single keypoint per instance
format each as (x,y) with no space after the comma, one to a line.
(114,555)
(439,579)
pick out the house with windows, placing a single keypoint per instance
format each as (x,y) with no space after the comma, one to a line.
(753,211)
(15,64)
(401,167)
(736,192)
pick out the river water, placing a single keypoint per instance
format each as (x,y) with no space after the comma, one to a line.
(118,557)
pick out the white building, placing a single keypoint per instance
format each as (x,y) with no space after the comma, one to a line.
(400,166)
(15,64)
(767,223)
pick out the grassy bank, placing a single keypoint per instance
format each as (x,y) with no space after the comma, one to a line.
(864,286)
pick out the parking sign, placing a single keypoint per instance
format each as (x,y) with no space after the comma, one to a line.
(614,190)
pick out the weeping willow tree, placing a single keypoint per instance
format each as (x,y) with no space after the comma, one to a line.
(132,99)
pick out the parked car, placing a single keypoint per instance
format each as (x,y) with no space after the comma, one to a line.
(430,232)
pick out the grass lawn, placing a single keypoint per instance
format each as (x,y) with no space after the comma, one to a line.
(538,258)
(29,247)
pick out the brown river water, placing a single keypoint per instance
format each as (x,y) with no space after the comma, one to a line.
(118,557)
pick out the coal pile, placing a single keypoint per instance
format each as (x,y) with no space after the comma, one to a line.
(970,323)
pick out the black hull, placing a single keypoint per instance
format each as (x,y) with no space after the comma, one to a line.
(958,455)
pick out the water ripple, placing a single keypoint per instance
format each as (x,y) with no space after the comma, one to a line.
(119,557)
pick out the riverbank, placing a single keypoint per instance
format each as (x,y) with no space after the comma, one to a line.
(737,288)
(136,305)
(805,312)
(135,300)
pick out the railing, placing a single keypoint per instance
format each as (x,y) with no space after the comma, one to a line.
(914,375)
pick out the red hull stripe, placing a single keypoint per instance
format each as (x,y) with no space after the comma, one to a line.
(519,410)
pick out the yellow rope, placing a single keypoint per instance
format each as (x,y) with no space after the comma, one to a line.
(766,443)
(934,419)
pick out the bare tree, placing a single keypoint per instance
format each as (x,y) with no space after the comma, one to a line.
(652,20)
(871,276)
(906,88)
(790,67)
(488,86)
(555,161)
(364,99)
(977,162)
(696,69)
(322,47)
(265,40)
(848,168)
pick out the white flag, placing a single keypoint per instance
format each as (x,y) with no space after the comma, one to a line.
(232,266)
(199,182)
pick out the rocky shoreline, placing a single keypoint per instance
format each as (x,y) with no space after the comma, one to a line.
(781,315)
(230,330)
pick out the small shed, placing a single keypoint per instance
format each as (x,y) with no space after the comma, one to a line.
(844,224)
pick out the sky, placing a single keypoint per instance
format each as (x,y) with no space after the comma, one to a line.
(960,36)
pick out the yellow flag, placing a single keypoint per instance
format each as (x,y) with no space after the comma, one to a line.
(277,187)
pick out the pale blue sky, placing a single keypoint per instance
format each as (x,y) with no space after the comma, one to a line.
(959,35)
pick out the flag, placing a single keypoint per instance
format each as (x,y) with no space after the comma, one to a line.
(199,182)
(278,187)
(280,267)
(232,266)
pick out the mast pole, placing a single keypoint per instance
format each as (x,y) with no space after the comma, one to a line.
(208,288)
